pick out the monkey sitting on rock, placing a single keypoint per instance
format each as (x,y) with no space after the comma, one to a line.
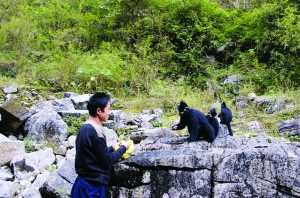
(197,123)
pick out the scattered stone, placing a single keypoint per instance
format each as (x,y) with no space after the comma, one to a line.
(5,174)
(51,98)
(255,126)
(138,136)
(56,186)
(67,171)
(71,154)
(10,89)
(9,97)
(241,102)
(59,150)
(8,189)
(80,102)
(233,79)
(60,160)
(13,115)
(9,149)
(46,125)
(70,94)
(40,160)
(63,105)
(290,127)
(74,113)
(252,96)
(71,141)
(110,136)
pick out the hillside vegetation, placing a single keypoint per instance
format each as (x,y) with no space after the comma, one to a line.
(128,44)
(152,53)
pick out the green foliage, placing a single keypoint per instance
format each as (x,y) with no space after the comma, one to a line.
(127,44)
(29,145)
(74,124)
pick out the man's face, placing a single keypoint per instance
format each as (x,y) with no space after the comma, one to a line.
(103,115)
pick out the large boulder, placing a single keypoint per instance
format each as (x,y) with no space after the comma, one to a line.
(290,127)
(9,149)
(59,183)
(8,189)
(10,89)
(80,102)
(46,125)
(5,174)
(32,164)
(172,167)
(271,105)
(230,167)
(56,186)
(13,115)
(142,134)
(233,79)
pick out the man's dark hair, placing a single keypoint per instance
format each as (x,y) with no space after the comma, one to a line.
(98,100)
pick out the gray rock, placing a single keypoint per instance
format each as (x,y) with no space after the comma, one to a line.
(67,171)
(42,106)
(60,160)
(270,105)
(9,149)
(31,192)
(255,126)
(242,102)
(8,189)
(13,115)
(5,174)
(290,127)
(71,141)
(60,150)
(12,138)
(71,154)
(233,79)
(73,113)
(137,192)
(110,136)
(110,124)
(230,167)
(156,132)
(40,180)
(80,102)
(56,186)
(39,160)
(10,89)
(46,125)
(158,111)
(63,105)
(10,97)
(70,94)
(278,105)
(172,167)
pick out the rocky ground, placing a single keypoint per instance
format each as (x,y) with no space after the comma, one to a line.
(37,153)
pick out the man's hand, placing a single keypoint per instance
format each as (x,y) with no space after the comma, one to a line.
(129,149)
(124,143)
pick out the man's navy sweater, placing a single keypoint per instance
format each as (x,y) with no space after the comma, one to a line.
(93,159)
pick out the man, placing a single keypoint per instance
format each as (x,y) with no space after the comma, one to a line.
(93,159)
(197,123)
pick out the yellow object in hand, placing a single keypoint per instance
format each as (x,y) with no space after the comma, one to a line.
(129,150)
(116,146)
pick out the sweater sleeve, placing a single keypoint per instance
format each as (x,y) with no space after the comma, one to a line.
(104,153)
